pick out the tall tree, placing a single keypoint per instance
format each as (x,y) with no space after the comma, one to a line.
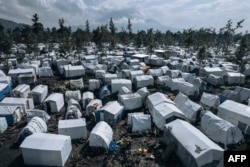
(130,32)
(112,33)
(202,54)
(87,32)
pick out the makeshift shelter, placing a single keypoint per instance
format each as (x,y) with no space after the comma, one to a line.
(155,99)
(4,90)
(244,93)
(143,92)
(123,90)
(70,71)
(192,146)
(215,80)
(104,91)
(94,84)
(130,101)
(12,114)
(37,113)
(129,117)
(155,72)
(229,95)
(35,125)
(3,125)
(185,87)
(143,81)
(26,79)
(220,131)
(141,123)
(109,77)
(22,90)
(210,100)
(101,135)
(100,74)
(93,105)
(23,76)
(133,74)
(86,98)
(54,103)
(217,71)
(236,113)
(39,93)
(76,94)
(45,72)
(54,150)
(24,103)
(173,73)
(75,128)
(191,109)
(164,81)
(164,113)
(116,84)
(73,110)
(76,83)
(234,78)
(111,112)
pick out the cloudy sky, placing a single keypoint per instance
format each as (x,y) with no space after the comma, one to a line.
(158,14)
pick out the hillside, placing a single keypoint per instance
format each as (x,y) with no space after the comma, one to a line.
(10,24)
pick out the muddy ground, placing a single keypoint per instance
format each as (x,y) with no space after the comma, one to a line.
(81,154)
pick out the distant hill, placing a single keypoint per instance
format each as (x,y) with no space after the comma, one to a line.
(10,24)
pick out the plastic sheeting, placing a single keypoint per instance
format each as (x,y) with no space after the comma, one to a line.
(37,113)
(45,149)
(4,89)
(54,103)
(101,135)
(94,84)
(143,81)
(164,113)
(210,100)
(45,72)
(76,83)
(35,125)
(236,113)
(116,84)
(22,90)
(73,95)
(219,130)
(130,101)
(188,107)
(141,123)
(39,93)
(192,146)
(75,128)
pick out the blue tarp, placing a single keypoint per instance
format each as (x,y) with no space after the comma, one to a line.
(104,91)
(4,90)
(112,145)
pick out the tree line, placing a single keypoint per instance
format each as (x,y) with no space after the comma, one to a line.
(108,36)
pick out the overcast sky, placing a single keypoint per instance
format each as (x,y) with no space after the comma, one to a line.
(158,14)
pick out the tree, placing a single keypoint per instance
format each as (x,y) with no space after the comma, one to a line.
(227,33)
(112,33)
(151,41)
(202,54)
(87,32)
(129,27)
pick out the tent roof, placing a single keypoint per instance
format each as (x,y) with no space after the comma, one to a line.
(190,137)
(113,107)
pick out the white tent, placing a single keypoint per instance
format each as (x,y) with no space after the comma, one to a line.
(133,74)
(164,81)
(155,99)
(76,83)
(141,123)
(94,84)
(235,78)
(155,72)
(244,93)
(37,113)
(35,125)
(54,103)
(116,84)
(210,100)
(22,90)
(73,71)
(112,112)
(143,92)
(189,108)
(164,113)
(45,72)
(129,119)
(39,93)
(46,149)
(192,146)
(75,128)
(215,80)
(12,114)
(143,81)
(93,105)
(109,77)
(235,113)
(130,101)
(219,130)
(76,94)
(101,135)
(86,98)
